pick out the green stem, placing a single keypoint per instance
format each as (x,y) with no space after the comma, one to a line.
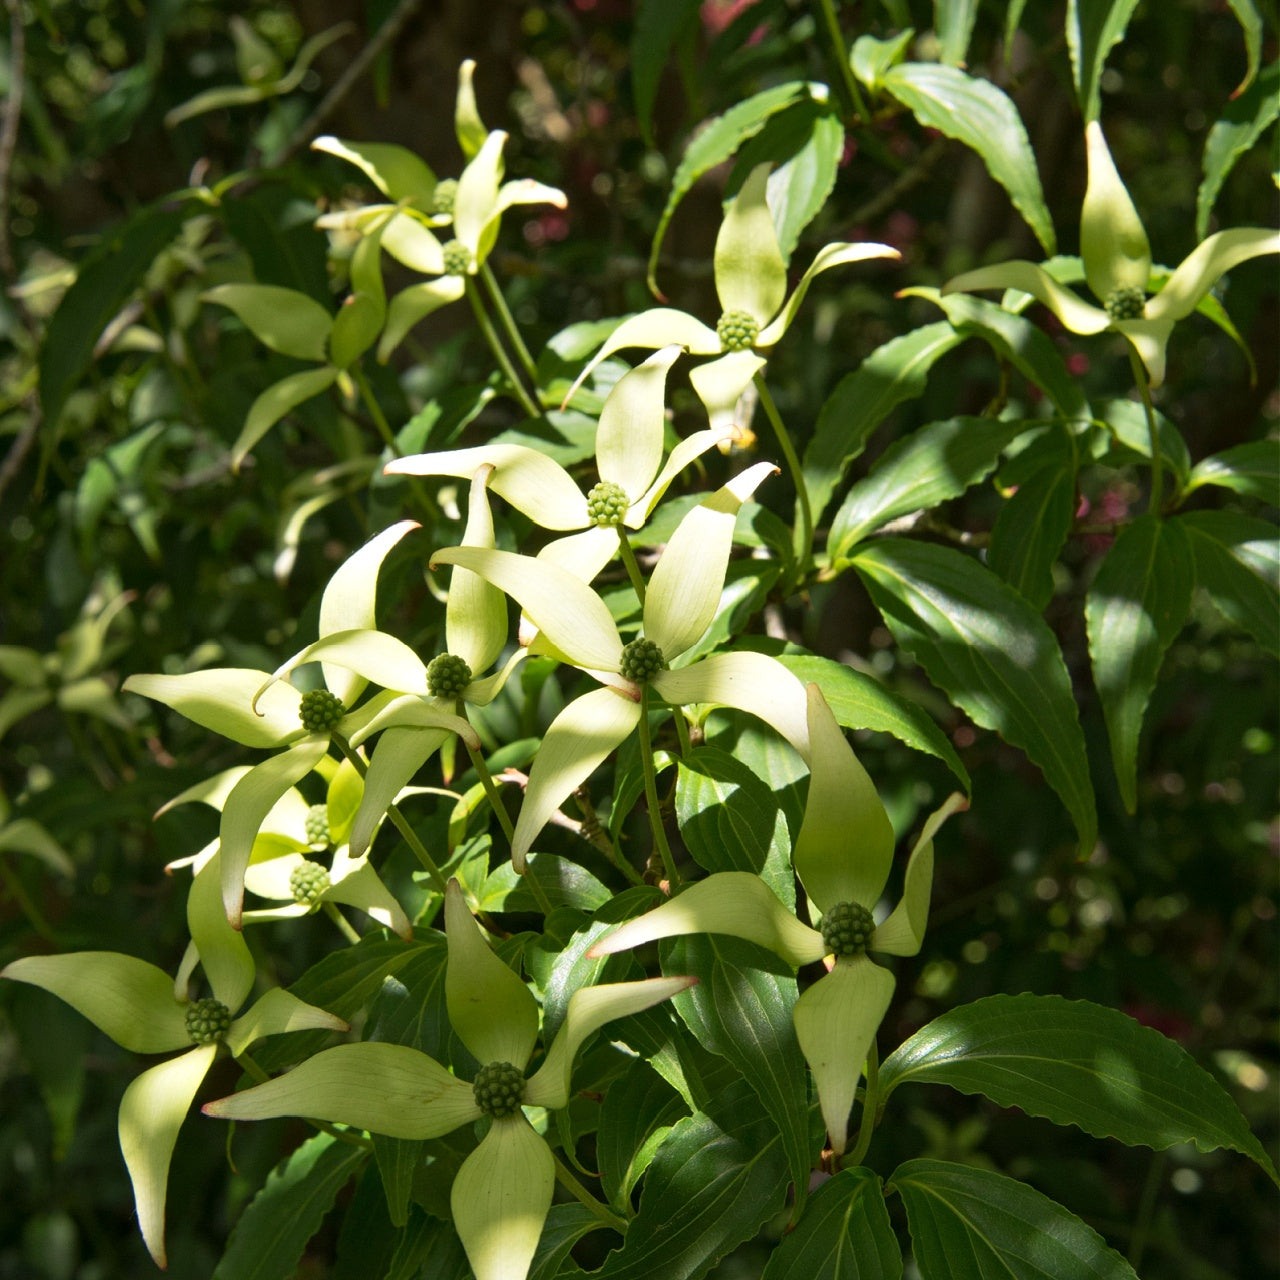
(399,821)
(597,837)
(632,564)
(1146,1209)
(499,352)
(682,732)
(18,891)
(508,322)
(1157,462)
(252,1069)
(651,793)
(805,547)
(827,10)
(606,1216)
(423,498)
(344,925)
(868,1124)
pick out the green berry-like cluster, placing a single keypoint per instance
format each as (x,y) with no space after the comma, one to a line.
(443,197)
(641,661)
(607,504)
(1126,304)
(320,710)
(847,928)
(447,676)
(317,826)
(499,1089)
(309,882)
(737,331)
(457,258)
(207,1021)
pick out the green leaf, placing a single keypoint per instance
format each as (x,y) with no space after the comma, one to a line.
(983,117)
(564,883)
(1136,606)
(638,1111)
(283,319)
(1031,530)
(991,653)
(1076,1063)
(659,27)
(871,58)
(716,142)
(565,1225)
(428,1247)
(862,400)
(278,399)
(1243,123)
(845,1234)
(726,814)
(275,227)
(983,1226)
(104,282)
(1238,564)
(270,1235)
(1251,25)
(1252,469)
(1093,27)
(715,1179)
(919,471)
(741,1009)
(860,701)
(953,24)
(1127,422)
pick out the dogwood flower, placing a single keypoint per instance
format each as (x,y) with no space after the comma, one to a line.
(751,282)
(842,857)
(145,1011)
(1117,267)
(629,455)
(261,709)
(502,1192)
(577,627)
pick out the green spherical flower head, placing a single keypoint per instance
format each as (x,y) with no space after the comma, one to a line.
(1126,304)
(641,661)
(737,331)
(499,1089)
(207,1021)
(607,504)
(445,194)
(447,676)
(320,710)
(317,826)
(309,882)
(847,928)
(457,258)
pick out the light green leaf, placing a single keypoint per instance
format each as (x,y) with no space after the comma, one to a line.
(475,204)
(1076,1063)
(221,699)
(983,117)
(1245,120)
(395,171)
(1113,241)
(996,658)
(1026,277)
(749,271)
(800,187)
(24,835)
(984,1226)
(1136,606)
(151,1112)
(493,1013)
(224,954)
(373,655)
(278,1011)
(953,22)
(127,998)
(1238,565)
(283,319)
(1252,469)
(919,471)
(1251,25)
(475,617)
(400,753)
(903,932)
(1093,27)
(468,128)
(630,437)
(272,405)
(413,304)
(500,1199)
(355,328)
(1205,265)
(870,58)
(862,400)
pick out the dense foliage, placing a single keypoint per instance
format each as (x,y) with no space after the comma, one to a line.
(473,478)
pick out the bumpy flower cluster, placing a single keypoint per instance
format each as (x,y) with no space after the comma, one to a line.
(499,1089)
(847,928)
(641,661)
(447,676)
(207,1021)
(320,710)
(309,882)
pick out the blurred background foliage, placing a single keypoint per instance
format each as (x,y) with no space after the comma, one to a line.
(128,545)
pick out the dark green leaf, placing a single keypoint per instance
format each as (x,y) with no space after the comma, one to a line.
(1135,608)
(1127,422)
(860,701)
(1252,469)
(367,1241)
(1243,123)
(659,25)
(104,283)
(54,1040)
(953,24)
(726,813)
(715,1179)
(276,228)
(917,472)
(1251,25)
(428,1247)
(1238,564)
(862,400)
(716,142)
(566,1224)
(1077,1063)
(1030,531)
(565,884)
(1093,27)
(983,1226)
(983,117)
(270,1235)
(990,652)
(637,1113)
(845,1234)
